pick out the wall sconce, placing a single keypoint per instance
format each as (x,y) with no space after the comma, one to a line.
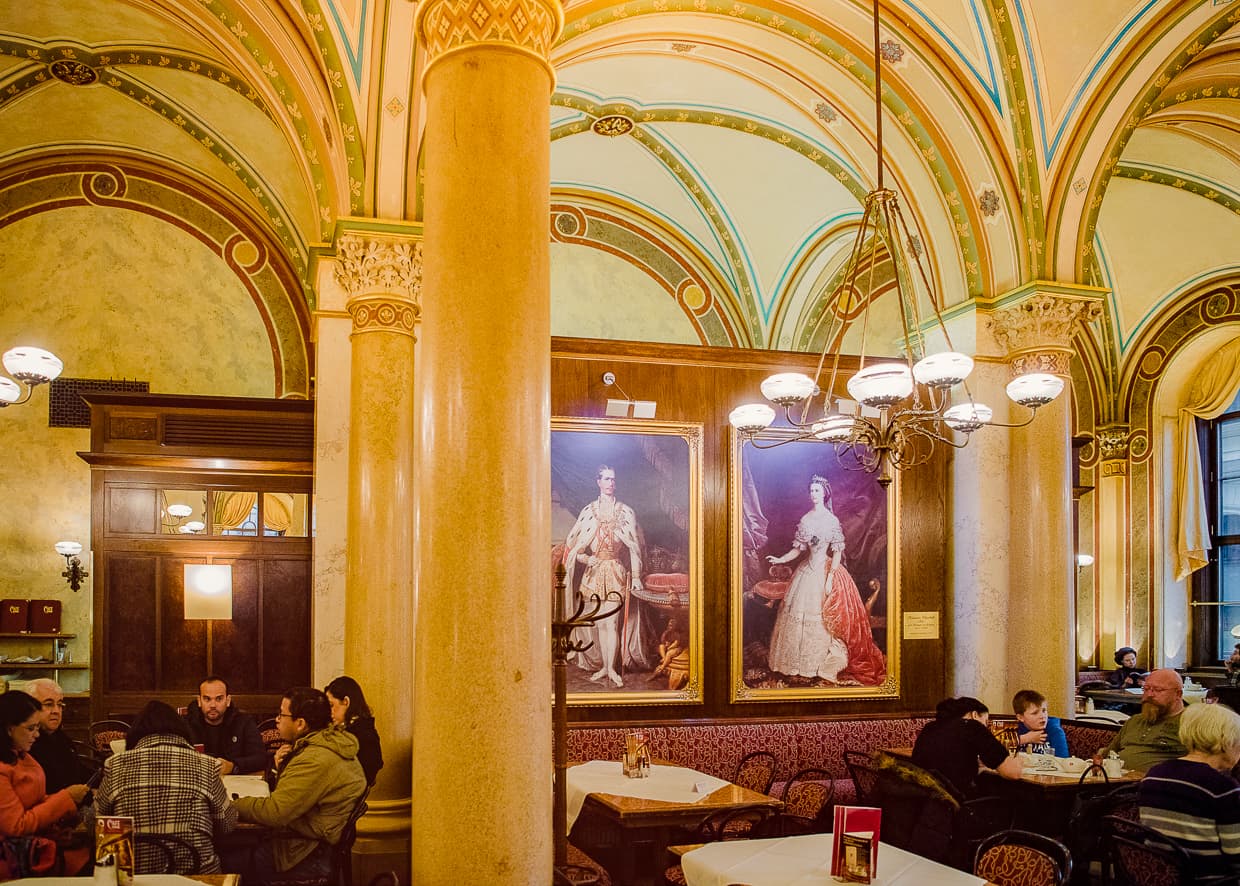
(208,591)
(620,408)
(74,573)
(1083,560)
(30,366)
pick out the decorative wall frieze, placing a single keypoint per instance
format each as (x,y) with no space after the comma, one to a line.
(383,313)
(1053,362)
(372,264)
(530,25)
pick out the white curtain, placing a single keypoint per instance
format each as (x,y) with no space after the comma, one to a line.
(1217,384)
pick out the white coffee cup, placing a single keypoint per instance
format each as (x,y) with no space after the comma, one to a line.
(1113,766)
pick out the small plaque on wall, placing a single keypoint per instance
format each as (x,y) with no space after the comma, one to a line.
(921,625)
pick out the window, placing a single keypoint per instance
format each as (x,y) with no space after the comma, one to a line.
(1218,585)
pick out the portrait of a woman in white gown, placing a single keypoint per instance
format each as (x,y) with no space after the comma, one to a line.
(822,629)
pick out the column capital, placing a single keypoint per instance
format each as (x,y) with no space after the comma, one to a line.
(382,277)
(530,26)
(1113,448)
(1035,324)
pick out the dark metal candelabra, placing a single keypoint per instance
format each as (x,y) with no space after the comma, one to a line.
(588,611)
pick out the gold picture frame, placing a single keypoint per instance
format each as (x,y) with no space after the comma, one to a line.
(806,625)
(647,512)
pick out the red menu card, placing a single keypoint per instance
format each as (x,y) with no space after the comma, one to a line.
(854,843)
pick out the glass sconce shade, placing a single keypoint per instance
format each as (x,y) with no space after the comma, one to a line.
(787,388)
(179,510)
(34,366)
(967,417)
(68,548)
(881,384)
(9,391)
(1034,389)
(752,417)
(194,526)
(1084,559)
(834,428)
(943,370)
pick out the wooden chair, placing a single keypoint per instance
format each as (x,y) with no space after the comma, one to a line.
(1085,828)
(729,824)
(340,872)
(863,775)
(756,771)
(1022,858)
(165,854)
(1141,856)
(807,800)
(581,870)
(102,733)
(270,734)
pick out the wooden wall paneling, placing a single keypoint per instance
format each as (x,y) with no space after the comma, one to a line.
(286,622)
(701,384)
(129,615)
(131,511)
(182,644)
(236,645)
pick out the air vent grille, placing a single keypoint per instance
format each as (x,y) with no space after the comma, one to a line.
(246,433)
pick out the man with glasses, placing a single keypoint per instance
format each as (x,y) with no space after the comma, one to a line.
(56,752)
(317,786)
(1153,736)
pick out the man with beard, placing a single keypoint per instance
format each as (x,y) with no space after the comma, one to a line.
(1153,736)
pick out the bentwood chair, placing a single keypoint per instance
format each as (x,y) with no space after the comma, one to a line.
(340,872)
(165,854)
(102,733)
(807,799)
(1141,856)
(1022,858)
(581,870)
(728,824)
(756,771)
(863,774)
(1085,828)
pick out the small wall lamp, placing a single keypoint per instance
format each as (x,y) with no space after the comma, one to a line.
(74,573)
(621,408)
(208,591)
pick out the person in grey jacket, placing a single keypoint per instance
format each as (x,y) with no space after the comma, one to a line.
(317,787)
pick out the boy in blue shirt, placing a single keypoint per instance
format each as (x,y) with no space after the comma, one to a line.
(1037,731)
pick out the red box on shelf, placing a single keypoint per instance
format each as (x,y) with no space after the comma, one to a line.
(14,616)
(44,616)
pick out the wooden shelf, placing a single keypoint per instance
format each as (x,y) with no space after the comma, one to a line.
(43,665)
(29,636)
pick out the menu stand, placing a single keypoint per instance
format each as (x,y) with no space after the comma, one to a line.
(562,644)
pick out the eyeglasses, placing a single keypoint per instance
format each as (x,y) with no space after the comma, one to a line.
(52,703)
(283,716)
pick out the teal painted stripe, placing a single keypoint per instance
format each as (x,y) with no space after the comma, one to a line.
(1191,283)
(1051,145)
(988,81)
(811,238)
(353,53)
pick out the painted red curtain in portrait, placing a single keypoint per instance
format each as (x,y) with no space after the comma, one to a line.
(846,618)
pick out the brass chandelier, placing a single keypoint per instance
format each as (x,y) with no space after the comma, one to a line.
(900,408)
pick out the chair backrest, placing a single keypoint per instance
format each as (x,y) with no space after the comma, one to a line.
(1141,856)
(863,774)
(807,797)
(756,771)
(342,851)
(165,854)
(736,824)
(102,733)
(919,808)
(1023,858)
(1085,828)
(269,731)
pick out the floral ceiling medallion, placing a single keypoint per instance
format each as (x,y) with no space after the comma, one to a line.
(73,72)
(612,125)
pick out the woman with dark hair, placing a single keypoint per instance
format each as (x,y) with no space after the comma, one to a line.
(168,788)
(26,809)
(957,739)
(349,709)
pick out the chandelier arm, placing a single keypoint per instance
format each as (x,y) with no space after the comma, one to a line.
(1033,412)
(29,388)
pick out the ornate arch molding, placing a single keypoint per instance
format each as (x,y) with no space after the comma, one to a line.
(1150,100)
(667,260)
(45,181)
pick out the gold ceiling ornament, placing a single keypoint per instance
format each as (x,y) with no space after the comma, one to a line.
(613,125)
(902,406)
(73,72)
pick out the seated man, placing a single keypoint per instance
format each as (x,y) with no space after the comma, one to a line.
(1037,732)
(56,752)
(1153,736)
(317,787)
(224,732)
(957,738)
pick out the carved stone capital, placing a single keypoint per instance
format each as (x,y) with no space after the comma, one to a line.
(529,25)
(383,313)
(1113,443)
(1041,324)
(376,265)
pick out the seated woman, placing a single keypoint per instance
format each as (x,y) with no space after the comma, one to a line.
(957,738)
(1193,799)
(1127,675)
(168,788)
(349,709)
(26,809)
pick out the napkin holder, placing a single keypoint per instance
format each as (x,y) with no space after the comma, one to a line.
(636,762)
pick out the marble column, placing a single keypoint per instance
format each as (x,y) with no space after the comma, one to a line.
(381,274)
(1037,334)
(482,685)
(1111,557)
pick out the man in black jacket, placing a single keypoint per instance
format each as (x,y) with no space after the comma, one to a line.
(55,751)
(223,731)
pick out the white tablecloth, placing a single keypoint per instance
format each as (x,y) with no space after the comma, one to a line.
(806,861)
(246,786)
(671,784)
